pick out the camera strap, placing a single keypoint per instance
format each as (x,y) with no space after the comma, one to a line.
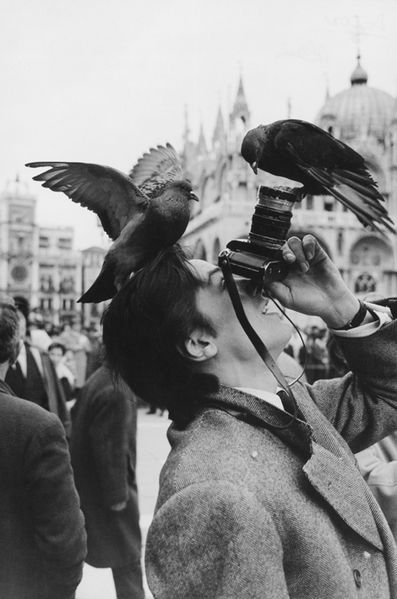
(255,339)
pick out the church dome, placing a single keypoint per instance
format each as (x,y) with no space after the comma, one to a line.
(359,111)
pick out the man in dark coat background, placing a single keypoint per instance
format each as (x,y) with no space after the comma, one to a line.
(42,536)
(33,376)
(103,448)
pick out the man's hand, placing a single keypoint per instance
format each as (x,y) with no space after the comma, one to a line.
(314,285)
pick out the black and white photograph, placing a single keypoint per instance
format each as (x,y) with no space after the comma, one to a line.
(198,288)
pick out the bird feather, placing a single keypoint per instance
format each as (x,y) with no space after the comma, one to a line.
(104,190)
(156,168)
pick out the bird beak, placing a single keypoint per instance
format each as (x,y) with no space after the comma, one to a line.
(192,196)
(254,166)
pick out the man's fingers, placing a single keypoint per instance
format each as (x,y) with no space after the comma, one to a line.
(309,246)
(293,251)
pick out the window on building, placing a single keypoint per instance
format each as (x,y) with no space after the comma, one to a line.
(44,241)
(65,243)
(365,283)
(309,203)
(340,242)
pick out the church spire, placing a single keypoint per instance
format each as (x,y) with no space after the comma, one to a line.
(219,135)
(359,75)
(240,109)
(201,144)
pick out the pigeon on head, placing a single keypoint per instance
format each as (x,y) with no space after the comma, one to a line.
(142,212)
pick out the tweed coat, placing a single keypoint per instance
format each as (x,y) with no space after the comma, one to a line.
(42,536)
(103,449)
(255,512)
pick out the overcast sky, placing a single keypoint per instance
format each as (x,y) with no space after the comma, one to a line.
(103,80)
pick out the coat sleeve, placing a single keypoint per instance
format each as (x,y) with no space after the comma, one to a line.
(213,539)
(55,512)
(108,432)
(362,405)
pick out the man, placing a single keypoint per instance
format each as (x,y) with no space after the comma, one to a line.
(42,536)
(56,353)
(33,377)
(103,448)
(255,502)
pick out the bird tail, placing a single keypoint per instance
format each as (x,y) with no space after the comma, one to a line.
(103,288)
(358,193)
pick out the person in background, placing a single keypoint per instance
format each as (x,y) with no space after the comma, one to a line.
(33,377)
(56,352)
(42,535)
(103,450)
(94,356)
(76,342)
(314,355)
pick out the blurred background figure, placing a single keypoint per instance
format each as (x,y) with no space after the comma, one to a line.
(94,356)
(33,376)
(77,343)
(103,449)
(57,352)
(314,357)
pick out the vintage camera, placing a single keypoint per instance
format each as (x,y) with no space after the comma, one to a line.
(259,257)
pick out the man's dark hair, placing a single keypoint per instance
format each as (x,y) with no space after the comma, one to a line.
(9,331)
(22,305)
(57,345)
(146,322)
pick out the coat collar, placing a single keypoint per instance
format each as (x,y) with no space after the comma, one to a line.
(4,388)
(328,464)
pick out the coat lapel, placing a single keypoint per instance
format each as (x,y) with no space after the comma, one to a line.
(341,486)
(329,465)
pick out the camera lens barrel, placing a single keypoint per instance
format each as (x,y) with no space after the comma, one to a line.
(259,257)
(272,216)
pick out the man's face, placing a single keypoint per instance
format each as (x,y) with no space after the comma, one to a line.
(55,355)
(213,301)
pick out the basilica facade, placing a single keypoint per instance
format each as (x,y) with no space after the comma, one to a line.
(360,115)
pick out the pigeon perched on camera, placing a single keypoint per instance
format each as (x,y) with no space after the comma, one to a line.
(143,212)
(303,152)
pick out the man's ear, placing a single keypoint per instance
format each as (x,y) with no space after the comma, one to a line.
(198,347)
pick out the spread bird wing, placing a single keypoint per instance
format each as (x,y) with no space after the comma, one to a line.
(106,191)
(339,170)
(156,168)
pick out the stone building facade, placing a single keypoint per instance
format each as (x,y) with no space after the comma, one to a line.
(41,264)
(362,116)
